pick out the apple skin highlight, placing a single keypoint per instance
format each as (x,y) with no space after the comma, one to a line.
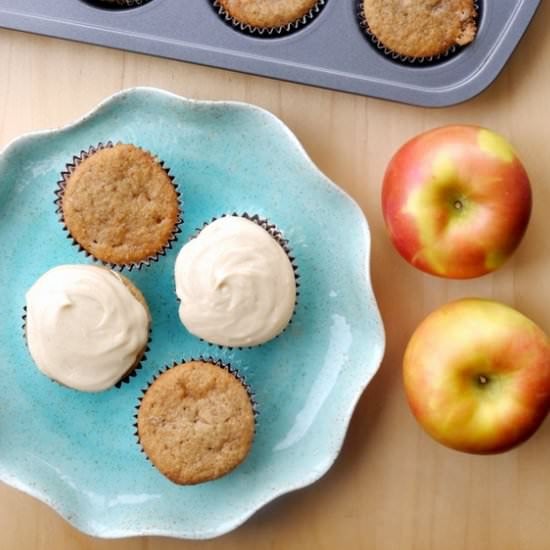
(456,201)
(477,376)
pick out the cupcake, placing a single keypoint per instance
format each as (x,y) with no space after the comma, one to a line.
(236,282)
(419,29)
(86,327)
(268,16)
(119,204)
(196,422)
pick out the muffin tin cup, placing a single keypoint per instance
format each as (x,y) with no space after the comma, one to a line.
(406,59)
(117,4)
(61,185)
(269,32)
(330,51)
(203,359)
(278,236)
(126,379)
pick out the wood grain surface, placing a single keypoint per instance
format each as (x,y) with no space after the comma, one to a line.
(392,487)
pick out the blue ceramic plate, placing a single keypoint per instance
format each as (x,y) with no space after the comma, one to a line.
(77,452)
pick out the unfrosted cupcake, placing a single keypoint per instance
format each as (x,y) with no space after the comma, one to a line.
(86,327)
(196,422)
(269,16)
(419,29)
(236,282)
(119,204)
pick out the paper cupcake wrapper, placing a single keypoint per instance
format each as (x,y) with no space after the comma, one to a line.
(134,372)
(269,32)
(117,4)
(126,379)
(407,59)
(62,183)
(203,359)
(278,236)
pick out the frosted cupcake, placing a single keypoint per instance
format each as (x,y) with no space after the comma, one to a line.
(236,283)
(86,326)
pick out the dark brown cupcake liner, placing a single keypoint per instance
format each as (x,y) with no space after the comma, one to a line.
(117,4)
(278,236)
(426,61)
(203,359)
(126,379)
(135,371)
(269,32)
(61,184)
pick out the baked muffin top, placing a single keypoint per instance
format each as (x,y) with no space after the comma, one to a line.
(421,28)
(267,13)
(196,422)
(120,205)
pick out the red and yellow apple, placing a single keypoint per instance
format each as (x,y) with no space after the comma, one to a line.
(477,376)
(456,201)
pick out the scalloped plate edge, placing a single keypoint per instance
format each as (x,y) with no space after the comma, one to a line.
(85,525)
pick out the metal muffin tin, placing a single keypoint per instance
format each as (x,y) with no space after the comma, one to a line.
(331,51)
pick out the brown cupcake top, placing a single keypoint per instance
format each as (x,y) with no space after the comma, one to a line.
(120,205)
(421,28)
(196,422)
(267,13)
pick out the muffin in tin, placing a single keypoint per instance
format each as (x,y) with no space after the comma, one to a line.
(420,29)
(196,421)
(268,17)
(86,327)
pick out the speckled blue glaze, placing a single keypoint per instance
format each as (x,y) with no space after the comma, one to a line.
(77,452)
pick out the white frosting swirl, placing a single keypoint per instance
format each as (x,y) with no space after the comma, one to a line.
(236,284)
(84,327)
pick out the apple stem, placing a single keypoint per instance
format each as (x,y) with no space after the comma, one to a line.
(458,205)
(483,379)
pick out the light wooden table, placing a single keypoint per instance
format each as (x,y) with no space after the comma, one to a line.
(392,487)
